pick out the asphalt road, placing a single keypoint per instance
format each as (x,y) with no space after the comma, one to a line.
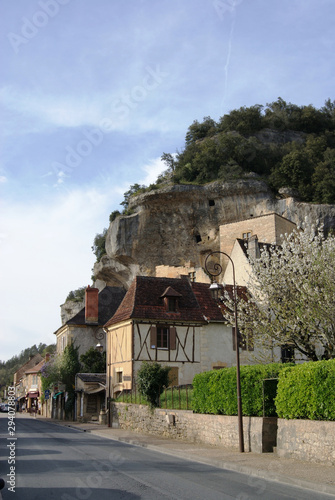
(56,462)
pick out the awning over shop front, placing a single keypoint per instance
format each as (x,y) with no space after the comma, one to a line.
(58,393)
(94,390)
(33,394)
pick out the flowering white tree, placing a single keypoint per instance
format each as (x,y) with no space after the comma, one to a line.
(292,300)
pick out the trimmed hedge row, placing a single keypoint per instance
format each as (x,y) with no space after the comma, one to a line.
(307,391)
(304,391)
(215,391)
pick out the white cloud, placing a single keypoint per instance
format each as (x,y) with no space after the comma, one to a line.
(3,179)
(54,110)
(153,169)
(118,109)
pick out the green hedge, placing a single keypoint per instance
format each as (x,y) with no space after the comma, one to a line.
(307,391)
(215,392)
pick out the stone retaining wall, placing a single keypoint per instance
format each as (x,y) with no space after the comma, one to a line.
(311,440)
(303,439)
(196,428)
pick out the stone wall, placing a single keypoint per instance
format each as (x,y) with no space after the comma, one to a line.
(302,439)
(310,440)
(218,430)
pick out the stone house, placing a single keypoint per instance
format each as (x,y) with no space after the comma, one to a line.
(173,321)
(26,387)
(85,329)
(239,239)
(250,237)
(33,388)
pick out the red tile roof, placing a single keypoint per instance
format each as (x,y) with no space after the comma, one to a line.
(144,301)
(37,367)
(208,306)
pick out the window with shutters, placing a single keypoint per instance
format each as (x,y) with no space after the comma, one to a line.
(163,337)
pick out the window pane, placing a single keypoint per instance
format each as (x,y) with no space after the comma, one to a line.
(162,337)
(172,304)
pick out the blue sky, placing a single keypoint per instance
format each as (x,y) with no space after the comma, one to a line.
(93,92)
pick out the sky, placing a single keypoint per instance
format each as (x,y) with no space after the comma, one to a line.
(92,93)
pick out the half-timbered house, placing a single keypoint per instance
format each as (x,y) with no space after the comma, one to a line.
(172,321)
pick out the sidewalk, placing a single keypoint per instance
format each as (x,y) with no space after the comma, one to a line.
(308,475)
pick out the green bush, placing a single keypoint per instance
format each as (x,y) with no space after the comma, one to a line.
(215,392)
(151,380)
(307,391)
(76,295)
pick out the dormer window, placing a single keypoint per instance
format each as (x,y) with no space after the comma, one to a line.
(171,299)
(172,304)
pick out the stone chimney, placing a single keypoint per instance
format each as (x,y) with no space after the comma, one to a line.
(253,247)
(47,357)
(91,305)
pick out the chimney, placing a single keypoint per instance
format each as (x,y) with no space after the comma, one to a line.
(47,357)
(91,305)
(253,247)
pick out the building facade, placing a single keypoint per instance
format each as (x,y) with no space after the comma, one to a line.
(171,321)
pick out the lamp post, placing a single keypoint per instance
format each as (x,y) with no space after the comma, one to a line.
(99,347)
(108,380)
(215,289)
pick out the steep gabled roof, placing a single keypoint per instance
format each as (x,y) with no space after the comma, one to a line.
(208,306)
(213,310)
(36,368)
(109,300)
(144,300)
(29,364)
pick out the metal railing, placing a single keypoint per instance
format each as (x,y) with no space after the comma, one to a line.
(175,397)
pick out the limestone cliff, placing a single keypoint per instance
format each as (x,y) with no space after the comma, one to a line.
(70,308)
(180,224)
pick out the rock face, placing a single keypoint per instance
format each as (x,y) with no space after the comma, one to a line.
(69,309)
(180,224)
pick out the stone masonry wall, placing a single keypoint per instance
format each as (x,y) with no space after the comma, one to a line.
(302,439)
(310,440)
(218,430)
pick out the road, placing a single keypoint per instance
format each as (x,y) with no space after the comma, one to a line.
(57,462)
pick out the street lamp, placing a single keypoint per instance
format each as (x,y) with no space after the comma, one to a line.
(99,347)
(215,287)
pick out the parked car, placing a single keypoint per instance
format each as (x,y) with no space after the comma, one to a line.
(4,407)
